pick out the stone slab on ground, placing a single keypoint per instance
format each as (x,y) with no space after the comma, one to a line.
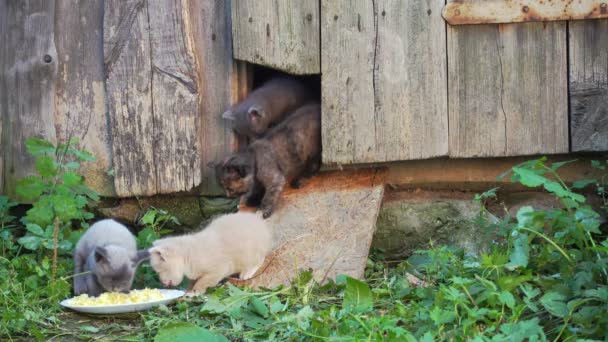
(327,225)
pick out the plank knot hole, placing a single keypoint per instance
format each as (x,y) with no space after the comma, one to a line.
(47,59)
(526,9)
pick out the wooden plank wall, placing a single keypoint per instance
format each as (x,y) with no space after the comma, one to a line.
(379,104)
(282,34)
(589,85)
(508,89)
(143,86)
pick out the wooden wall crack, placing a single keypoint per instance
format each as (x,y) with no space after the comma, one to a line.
(502,92)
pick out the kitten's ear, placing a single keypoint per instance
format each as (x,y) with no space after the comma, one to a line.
(140,256)
(101,254)
(158,251)
(228,115)
(255,113)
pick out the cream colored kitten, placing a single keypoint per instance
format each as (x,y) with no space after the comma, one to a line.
(230,244)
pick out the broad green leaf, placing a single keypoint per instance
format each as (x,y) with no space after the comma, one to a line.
(507,299)
(41,213)
(520,252)
(213,305)
(557,165)
(529,178)
(148,217)
(528,330)
(82,155)
(30,188)
(70,178)
(72,165)
(524,216)
(186,332)
(36,146)
(34,229)
(358,295)
(554,302)
(441,317)
(259,307)
(30,242)
(589,219)
(561,192)
(46,167)
(580,184)
(598,164)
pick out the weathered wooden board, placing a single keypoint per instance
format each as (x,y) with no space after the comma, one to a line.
(28,67)
(222,82)
(508,91)
(80,109)
(282,34)
(459,12)
(589,85)
(170,76)
(175,90)
(385,99)
(127,59)
(327,226)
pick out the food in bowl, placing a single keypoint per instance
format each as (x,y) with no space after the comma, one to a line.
(116,298)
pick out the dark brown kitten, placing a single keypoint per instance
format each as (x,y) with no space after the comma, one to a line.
(267,106)
(287,153)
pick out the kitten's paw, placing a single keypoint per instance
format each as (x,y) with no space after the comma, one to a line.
(192,294)
(80,286)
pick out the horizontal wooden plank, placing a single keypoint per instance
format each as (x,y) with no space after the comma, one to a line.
(508,91)
(281,34)
(467,12)
(380,103)
(589,85)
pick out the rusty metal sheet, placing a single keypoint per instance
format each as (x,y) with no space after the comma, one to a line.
(463,12)
(326,226)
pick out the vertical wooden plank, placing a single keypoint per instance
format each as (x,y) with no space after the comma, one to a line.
(221,83)
(129,96)
(175,91)
(589,85)
(507,89)
(28,67)
(282,34)
(380,102)
(80,95)
(411,80)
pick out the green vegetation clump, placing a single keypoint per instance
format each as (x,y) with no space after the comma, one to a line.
(545,278)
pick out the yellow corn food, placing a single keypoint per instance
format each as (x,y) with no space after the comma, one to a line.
(113,298)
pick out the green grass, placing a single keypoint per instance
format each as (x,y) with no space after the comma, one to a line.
(545,279)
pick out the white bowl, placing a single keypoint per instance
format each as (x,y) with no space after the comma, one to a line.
(170,296)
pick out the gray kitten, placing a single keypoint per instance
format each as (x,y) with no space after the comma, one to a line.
(267,106)
(109,251)
(289,152)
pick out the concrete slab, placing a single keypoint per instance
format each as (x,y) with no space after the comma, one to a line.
(327,225)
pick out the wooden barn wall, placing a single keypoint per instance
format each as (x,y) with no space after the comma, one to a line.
(508,89)
(142,83)
(384,81)
(281,34)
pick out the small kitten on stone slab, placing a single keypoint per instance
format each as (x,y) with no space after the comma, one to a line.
(287,153)
(231,244)
(108,251)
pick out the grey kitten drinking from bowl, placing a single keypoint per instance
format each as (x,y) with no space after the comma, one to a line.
(108,252)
